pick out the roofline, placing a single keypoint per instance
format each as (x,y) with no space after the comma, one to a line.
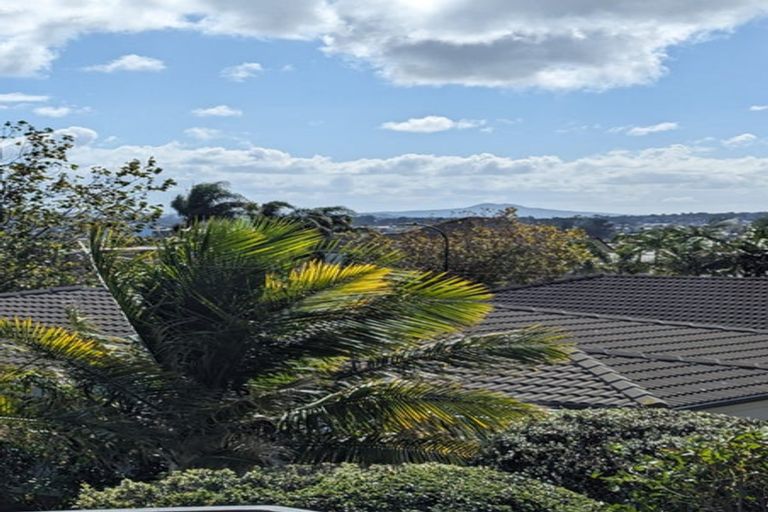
(584,277)
(758,397)
(631,390)
(55,289)
(561,280)
(581,314)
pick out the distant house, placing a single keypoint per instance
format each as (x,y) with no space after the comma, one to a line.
(698,343)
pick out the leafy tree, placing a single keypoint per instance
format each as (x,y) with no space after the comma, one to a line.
(497,251)
(695,250)
(727,473)
(208,200)
(328,219)
(252,349)
(48,203)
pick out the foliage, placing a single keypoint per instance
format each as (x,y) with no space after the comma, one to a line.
(348,488)
(724,473)
(253,350)
(208,200)
(44,473)
(496,252)
(214,200)
(594,227)
(47,205)
(678,250)
(575,449)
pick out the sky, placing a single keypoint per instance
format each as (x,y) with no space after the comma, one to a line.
(645,106)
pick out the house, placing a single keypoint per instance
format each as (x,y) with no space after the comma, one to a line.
(698,343)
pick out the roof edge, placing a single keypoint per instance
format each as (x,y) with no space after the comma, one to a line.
(581,314)
(631,390)
(585,277)
(55,289)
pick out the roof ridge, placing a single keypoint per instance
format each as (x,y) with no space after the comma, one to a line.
(585,277)
(633,391)
(562,280)
(622,318)
(675,359)
(54,289)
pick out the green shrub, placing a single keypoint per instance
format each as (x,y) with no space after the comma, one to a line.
(44,474)
(349,488)
(727,473)
(573,449)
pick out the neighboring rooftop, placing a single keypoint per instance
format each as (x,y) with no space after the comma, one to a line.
(623,361)
(52,306)
(725,301)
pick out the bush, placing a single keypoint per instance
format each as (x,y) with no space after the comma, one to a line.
(574,449)
(349,488)
(728,473)
(44,474)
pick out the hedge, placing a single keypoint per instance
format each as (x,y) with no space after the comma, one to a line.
(575,449)
(727,473)
(348,488)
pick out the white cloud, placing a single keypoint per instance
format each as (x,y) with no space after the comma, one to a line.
(745,139)
(432,124)
(201,133)
(641,131)
(551,44)
(130,62)
(242,72)
(83,136)
(758,108)
(547,44)
(617,180)
(20,97)
(53,111)
(217,111)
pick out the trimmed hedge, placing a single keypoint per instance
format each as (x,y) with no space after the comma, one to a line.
(574,449)
(348,488)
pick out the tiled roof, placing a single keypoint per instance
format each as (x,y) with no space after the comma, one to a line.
(52,306)
(650,362)
(727,301)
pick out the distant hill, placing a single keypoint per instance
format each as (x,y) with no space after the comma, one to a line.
(482,210)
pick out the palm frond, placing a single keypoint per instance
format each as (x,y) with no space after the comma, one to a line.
(533,345)
(397,405)
(318,286)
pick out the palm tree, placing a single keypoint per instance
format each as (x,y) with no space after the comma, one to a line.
(210,200)
(251,349)
(327,219)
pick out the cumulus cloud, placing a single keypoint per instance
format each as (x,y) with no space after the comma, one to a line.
(83,136)
(201,133)
(242,72)
(745,139)
(641,131)
(432,124)
(758,108)
(547,44)
(130,62)
(20,97)
(217,111)
(613,180)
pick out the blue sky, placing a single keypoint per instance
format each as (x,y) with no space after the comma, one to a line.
(654,106)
